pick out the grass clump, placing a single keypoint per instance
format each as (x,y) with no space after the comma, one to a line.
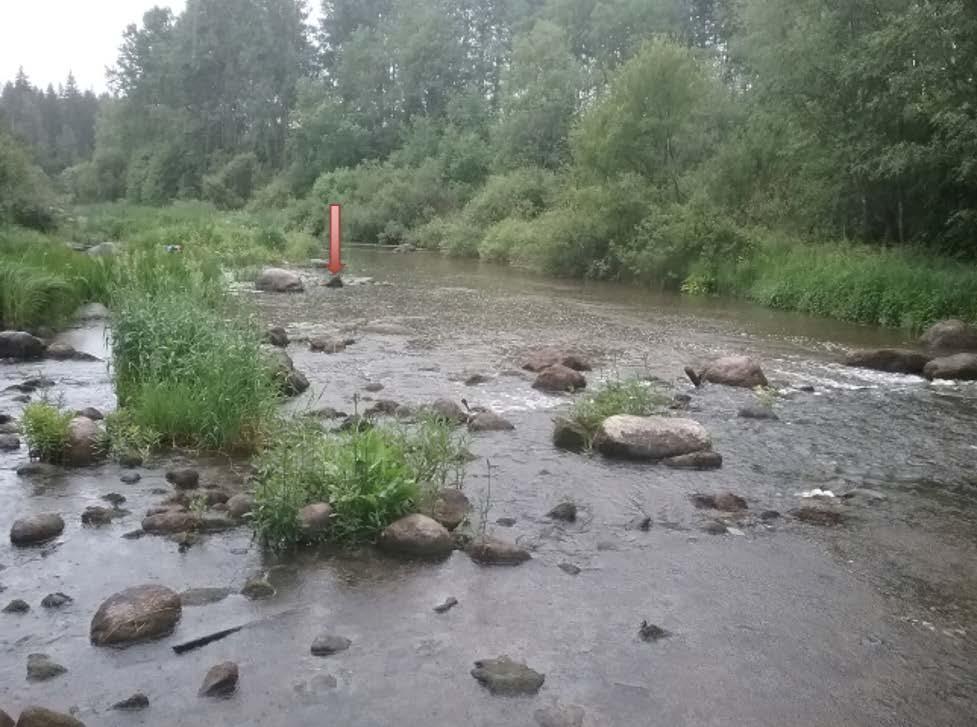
(625,396)
(370,476)
(45,428)
(194,376)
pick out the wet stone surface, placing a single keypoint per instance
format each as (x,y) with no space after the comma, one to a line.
(865,622)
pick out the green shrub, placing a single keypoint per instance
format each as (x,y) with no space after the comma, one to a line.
(232,185)
(522,194)
(369,476)
(505,237)
(26,197)
(45,428)
(682,246)
(191,372)
(626,396)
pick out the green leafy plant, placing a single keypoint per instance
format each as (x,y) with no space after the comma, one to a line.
(370,476)
(625,396)
(45,428)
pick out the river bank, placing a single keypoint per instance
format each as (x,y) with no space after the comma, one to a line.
(781,622)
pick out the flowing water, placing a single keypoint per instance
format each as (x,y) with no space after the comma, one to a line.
(872,622)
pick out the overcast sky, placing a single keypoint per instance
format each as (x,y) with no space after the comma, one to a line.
(51,37)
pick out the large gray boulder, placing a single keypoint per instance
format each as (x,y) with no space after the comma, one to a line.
(559,378)
(950,336)
(490,550)
(546,357)
(171,521)
(291,381)
(136,614)
(20,346)
(59,351)
(734,371)
(650,438)
(85,442)
(41,717)
(889,360)
(959,367)
(451,507)
(277,280)
(416,535)
(36,529)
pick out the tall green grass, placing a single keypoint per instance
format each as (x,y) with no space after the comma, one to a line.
(42,280)
(369,476)
(188,368)
(888,287)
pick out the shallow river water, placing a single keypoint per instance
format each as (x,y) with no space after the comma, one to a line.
(872,622)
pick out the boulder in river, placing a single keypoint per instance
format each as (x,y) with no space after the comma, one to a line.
(220,681)
(566,511)
(451,507)
(650,438)
(41,668)
(315,518)
(41,717)
(36,529)
(702,460)
(277,280)
(569,435)
(85,442)
(959,367)
(20,346)
(291,381)
(56,600)
(329,644)
(505,676)
(489,421)
(132,704)
(6,720)
(136,614)
(546,357)
(950,336)
(170,521)
(18,605)
(257,588)
(734,371)
(490,550)
(183,478)
(417,535)
(559,378)
(277,336)
(726,501)
(449,411)
(59,351)
(240,505)
(889,360)
(327,344)
(9,442)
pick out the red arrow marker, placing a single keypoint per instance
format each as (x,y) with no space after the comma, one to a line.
(335,263)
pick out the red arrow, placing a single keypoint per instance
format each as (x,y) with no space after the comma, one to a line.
(335,263)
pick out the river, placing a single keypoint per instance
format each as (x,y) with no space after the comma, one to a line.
(778,623)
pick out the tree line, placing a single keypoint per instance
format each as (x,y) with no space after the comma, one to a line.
(594,137)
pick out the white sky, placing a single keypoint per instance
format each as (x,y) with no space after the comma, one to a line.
(51,37)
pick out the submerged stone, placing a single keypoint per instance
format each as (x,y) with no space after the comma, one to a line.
(220,681)
(505,676)
(136,614)
(329,644)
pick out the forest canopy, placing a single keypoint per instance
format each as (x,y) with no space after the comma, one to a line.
(611,138)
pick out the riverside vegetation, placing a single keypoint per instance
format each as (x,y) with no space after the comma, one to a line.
(802,156)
